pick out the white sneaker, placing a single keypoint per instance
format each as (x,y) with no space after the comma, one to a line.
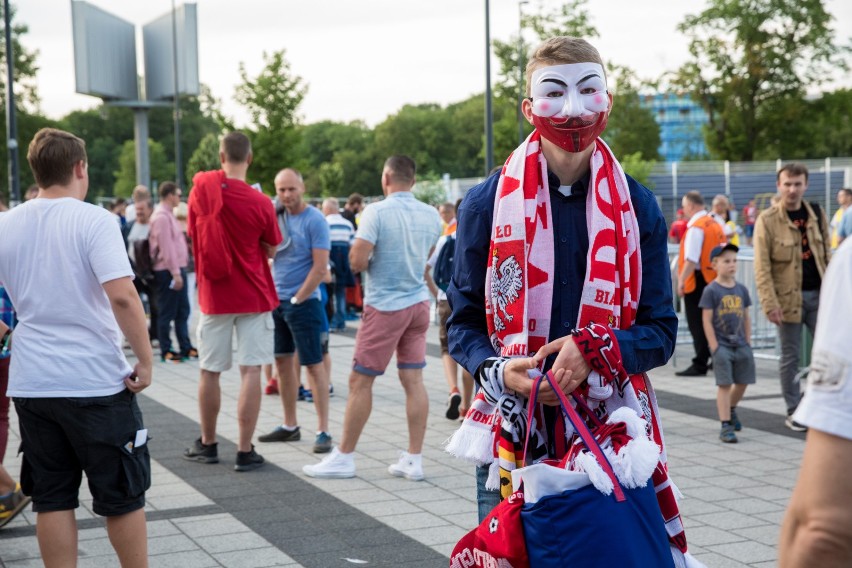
(409,466)
(335,465)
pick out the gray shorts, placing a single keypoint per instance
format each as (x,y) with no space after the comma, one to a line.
(734,365)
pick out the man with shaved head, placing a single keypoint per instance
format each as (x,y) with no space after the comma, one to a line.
(299,268)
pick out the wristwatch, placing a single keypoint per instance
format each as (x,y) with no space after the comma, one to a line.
(294,301)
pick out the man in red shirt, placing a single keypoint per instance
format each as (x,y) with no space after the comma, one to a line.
(234,232)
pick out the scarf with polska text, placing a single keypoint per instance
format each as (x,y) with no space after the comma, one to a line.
(519,293)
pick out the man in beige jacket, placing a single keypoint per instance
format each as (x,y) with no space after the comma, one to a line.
(790,257)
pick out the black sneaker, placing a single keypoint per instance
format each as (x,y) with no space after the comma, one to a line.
(691,371)
(281,434)
(204,453)
(453,403)
(247,461)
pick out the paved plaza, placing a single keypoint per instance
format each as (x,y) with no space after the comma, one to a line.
(208,515)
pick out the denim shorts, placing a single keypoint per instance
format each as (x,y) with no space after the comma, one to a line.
(299,329)
(63,437)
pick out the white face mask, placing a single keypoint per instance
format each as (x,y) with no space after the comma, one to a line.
(570,90)
(570,104)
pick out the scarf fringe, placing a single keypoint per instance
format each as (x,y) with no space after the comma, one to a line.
(493,481)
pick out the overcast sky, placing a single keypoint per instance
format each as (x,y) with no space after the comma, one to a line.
(364,59)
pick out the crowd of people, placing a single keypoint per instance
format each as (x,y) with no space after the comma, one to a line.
(557,263)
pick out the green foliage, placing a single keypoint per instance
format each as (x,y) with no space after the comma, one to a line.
(29,118)
(125,178)
(195,123)
(748,56)
(331,179)
(204,159)
(432,192)
(271,99)
(348,145)
(24,70)
(419,131)
(637,167)
(631,128)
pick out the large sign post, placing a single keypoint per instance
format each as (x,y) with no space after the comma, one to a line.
(105,67)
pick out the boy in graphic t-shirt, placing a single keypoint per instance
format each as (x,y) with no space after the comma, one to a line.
(724,305)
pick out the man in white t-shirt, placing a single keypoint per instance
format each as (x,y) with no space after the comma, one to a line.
(817,529)
(64,266)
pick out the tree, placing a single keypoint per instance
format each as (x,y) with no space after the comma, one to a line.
(419,131)
(748,55)
(631,128)
(570,18)
(331,179)
(347,145)
(29,118)
(105,130)
(198,117)
(24,70)
(272,99)
(125,178)
(204,158)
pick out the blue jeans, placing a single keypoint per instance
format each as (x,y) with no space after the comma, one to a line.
(299,329)
(486,499)
(172,305)
(338,320)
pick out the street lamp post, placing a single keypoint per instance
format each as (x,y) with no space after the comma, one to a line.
(521,70)
(489,127)
(11,124)
(178,158)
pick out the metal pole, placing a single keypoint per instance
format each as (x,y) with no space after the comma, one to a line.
(520,71)
(11,124)
(827,186)
(489,127)
(728,179)
(178,159)
(674,190)
(140,131)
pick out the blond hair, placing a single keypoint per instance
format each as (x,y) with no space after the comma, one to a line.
(561,50)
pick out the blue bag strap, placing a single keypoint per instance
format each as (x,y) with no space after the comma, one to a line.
(579,427)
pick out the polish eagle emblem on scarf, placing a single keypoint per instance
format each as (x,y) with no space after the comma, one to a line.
(506,281)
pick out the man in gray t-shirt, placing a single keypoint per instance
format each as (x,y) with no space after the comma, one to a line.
(394,241)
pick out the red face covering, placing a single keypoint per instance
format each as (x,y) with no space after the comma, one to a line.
(570,104)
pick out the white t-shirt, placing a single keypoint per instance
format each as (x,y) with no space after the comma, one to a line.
(694,240)
(55,254)
(827,405)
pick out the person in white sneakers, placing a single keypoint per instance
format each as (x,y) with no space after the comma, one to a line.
(395,238)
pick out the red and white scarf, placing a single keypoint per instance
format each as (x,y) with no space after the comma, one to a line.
(518,301)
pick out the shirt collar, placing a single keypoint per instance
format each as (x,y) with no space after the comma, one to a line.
(696,217)
(578,188)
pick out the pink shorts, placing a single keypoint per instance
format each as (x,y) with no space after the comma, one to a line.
(382,333)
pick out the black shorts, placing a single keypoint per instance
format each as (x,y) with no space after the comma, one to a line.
(63,437)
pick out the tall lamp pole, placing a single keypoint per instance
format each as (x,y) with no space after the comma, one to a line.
(11,125)
(521,70)
(178,160)
(489,127)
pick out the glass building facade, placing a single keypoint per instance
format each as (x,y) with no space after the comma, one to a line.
(681,123)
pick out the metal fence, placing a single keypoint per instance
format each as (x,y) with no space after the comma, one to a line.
(764,334)
(740,181)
